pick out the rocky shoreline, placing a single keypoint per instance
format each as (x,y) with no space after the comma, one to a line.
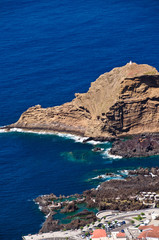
(142,145)
(139,145)
(122,195)
(50,204)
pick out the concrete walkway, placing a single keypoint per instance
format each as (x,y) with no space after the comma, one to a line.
(70,234)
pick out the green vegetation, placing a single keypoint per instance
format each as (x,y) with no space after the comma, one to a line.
(81,228)
(137,226)
(86,234)
(142,214)
(99,220)
(138,218)
(103,227)
(132,221)
(87,225)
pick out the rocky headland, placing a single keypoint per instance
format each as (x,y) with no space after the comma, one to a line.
(122,195)
(121,102)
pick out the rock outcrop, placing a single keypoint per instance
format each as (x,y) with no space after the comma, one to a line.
(139,145)
(121,102)
(71,207)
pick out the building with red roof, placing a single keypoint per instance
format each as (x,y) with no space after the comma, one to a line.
(99,234)
(145,227)
(150,232)
(121,235)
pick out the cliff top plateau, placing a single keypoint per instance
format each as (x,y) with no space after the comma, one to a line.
(121,102)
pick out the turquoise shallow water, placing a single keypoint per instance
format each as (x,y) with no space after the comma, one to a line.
(49,51)
(63,217)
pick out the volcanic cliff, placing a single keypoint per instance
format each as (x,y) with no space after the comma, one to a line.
(121,102)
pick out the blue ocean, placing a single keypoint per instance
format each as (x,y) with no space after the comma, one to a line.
(50,50)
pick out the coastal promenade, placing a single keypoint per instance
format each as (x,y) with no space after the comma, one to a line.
(60,235)
(149,215)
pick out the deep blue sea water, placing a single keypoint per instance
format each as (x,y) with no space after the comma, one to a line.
(48,51)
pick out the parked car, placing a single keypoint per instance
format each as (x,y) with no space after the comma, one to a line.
(99,225)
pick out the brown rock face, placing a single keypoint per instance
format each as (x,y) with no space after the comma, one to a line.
(71,207)
(121,102)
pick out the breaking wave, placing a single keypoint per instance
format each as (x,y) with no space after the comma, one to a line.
(76,138)
(107,154)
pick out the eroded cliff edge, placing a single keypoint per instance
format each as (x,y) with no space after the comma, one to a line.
(121,102)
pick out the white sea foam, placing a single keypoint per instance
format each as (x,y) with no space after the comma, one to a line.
(20,130)
(71,136)
(104,176)
(97,187)
(65,135)
(96,142)
(40,208)
(16,130)
(30,131)
(2,130)
(37,203)
(79,138)
(125,172)
(107,154)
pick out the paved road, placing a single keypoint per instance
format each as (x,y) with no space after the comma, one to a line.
(110,216)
